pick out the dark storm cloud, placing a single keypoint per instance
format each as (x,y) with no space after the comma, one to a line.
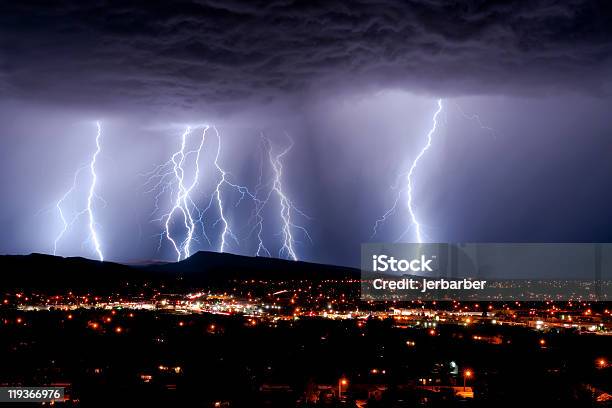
(187,54)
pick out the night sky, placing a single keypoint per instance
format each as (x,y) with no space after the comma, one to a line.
(354,84)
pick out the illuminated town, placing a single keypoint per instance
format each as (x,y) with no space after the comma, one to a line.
(423,352)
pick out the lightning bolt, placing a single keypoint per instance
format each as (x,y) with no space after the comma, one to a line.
(58,205)
(66,225)
(413,168)
(92,192)
(218,197)
(183,205)
(259,219)
(186,196)
(408,189)
(286,205)
(179,173)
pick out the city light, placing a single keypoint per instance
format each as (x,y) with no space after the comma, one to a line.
(466,374)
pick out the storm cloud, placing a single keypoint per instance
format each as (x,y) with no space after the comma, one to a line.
(192,55)
(521,153)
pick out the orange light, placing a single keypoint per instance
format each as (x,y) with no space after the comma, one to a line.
(69,317)
(344,381)
(602,362)
(19,320)
(118,329)
(94,325)
(108,320)
(181,324)
(468,373)
(542,342)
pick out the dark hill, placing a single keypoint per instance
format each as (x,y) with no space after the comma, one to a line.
(212,266)
(38,271)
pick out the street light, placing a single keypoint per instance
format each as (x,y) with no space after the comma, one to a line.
(341,383)
(466,374)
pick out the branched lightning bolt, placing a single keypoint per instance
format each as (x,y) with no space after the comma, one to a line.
(288,246)
(259,206)
(179,174)
(409,183)
(218,197)
(58,205)
(183,203)
(413,168)
(90,201)
(285,213)
(92,192)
